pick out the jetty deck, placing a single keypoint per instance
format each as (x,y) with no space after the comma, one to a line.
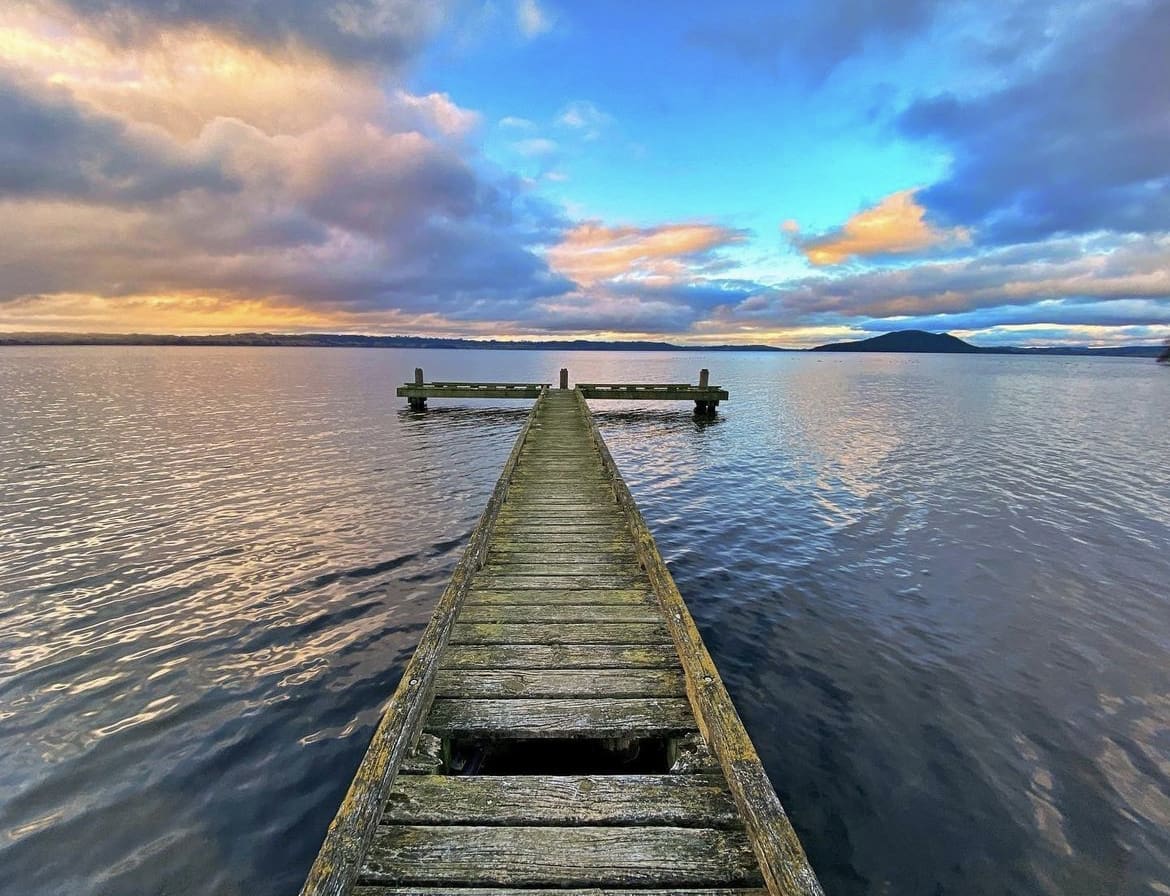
(561,726)
(705,396)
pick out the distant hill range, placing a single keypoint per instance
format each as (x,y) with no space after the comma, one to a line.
(920,341)
(902,341)
(345,340)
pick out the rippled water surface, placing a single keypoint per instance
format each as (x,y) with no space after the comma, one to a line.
(937,587)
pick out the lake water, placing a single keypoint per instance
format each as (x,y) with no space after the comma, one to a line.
(936,586)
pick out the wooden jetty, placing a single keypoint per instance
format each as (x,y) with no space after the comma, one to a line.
(706,397)
(561,728)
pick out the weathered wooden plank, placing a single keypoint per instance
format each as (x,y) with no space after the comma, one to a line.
(348,836)
(573,519)
(559,633)
(781,858)
(699,801)
(638,386)
(607,512)
(593,566)
(569,514)
(555,457)
(559,856)
(492,582)
(617,540)
(531,530)
(557,656)
(542,474)
(541,553)
(604,543)
(567,490)
(546,507)
(482,385)
(425,391)
(588,498)
(550,613)
(542,483)
(654,393)
(535,490)
(546,475)
(538,683)
(568,717)
(552,596)
(388,890)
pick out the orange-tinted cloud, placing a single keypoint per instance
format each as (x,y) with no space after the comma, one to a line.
(187,162)
(897,225)
(592,252)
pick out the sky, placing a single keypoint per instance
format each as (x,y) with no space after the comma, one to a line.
(788,174)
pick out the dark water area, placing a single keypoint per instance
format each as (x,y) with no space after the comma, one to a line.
(937,588)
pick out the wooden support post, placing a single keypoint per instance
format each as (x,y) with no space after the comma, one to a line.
(417,404)
(704,408)
(564,378)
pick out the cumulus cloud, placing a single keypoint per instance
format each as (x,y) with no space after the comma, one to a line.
(1057,280)
(1079,143)
(639,281)
(895,226)
(51,148)
(812,38)
(592,252)
(190,169)
(264,165)
(388,32)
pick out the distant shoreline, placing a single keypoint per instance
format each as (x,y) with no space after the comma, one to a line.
(906,341)
(340,340)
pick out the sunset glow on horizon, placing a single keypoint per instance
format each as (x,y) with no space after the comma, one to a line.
(527,169)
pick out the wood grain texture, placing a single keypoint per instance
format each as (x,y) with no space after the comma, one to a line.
(568,717)
(469,390)
(499,582)
(781,857)
(530,683)
(558,856)
(634,392)
(602,542)
(562,800)
(552,596)
(560,656)
(587,565)
(531,612)
(335,868)
(390,890)
(560,633)
(556,554)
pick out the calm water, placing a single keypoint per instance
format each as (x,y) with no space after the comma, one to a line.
(936,587)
